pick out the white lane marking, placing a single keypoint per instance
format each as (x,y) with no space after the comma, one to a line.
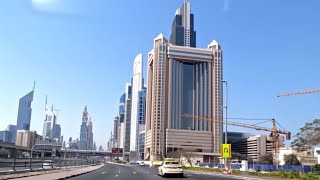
(134,172)
(119,170)
(103,172)
(117,175)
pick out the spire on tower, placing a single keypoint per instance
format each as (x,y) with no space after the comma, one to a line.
(45,106)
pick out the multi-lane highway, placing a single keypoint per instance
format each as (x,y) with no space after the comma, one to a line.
(135,172)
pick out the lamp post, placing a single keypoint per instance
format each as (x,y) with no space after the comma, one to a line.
(226,132)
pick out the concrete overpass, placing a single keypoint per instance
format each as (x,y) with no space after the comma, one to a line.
(15,151)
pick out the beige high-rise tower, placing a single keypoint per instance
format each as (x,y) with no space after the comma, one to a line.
(183,81)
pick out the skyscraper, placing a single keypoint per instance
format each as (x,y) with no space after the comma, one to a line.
(141,121)
(142,106)
(183,33)
(122,120)
(57,133)
(127,117)
(5,136)
(49,123)
(116,131)
(84,130)
(24,111)
(137,85)
(86,134)
(13,131)
(183,81)
(90,135)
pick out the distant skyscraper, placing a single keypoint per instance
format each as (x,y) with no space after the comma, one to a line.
(84,130)
(5,136)
(127,117)
(122,120)
(183,33)
(116,131)
(94,146)
(137,85)
(57,132)
(49,123)
(86,134)
(24,111)
(13,130)
(183,81)
(90,135)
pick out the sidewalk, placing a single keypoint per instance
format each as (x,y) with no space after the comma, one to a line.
(54,174)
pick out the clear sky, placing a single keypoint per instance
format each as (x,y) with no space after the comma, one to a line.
(81,52)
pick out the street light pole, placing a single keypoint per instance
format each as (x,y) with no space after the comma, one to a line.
(226,132)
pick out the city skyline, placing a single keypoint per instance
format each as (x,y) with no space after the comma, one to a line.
(260,60)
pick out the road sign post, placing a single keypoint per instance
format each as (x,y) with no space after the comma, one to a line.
(226,151)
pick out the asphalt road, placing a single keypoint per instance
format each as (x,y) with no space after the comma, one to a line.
(135,172)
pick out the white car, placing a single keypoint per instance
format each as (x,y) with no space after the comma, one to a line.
(170,167)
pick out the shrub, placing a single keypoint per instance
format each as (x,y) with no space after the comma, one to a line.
(236,172)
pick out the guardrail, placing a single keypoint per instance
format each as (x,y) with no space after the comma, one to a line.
(25,165)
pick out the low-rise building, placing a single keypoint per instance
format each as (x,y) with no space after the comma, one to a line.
(253,147)
(305,157)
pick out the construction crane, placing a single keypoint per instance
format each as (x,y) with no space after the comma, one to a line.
(57,112)
(308,91)
(274,131)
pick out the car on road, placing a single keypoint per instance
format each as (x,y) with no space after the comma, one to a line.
(142,163)
(47,164)
(134,163)
(170,167)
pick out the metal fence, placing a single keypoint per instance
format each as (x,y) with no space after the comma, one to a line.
(24,165)
(262,167)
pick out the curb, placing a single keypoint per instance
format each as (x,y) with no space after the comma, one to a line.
(225,175)
(75,175)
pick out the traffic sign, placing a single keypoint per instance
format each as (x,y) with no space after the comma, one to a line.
(226,151)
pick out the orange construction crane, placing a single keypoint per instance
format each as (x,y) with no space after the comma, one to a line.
(308,91)
(274,131)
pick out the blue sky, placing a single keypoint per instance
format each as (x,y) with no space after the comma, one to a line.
(81,52)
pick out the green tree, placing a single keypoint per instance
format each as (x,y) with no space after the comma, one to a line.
(291,159)
(308,136)
(266,159)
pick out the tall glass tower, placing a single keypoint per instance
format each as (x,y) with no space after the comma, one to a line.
(137,85)
(84,130)
(24,111)
(183,33)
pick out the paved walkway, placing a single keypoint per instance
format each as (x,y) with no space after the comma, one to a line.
(56,174)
